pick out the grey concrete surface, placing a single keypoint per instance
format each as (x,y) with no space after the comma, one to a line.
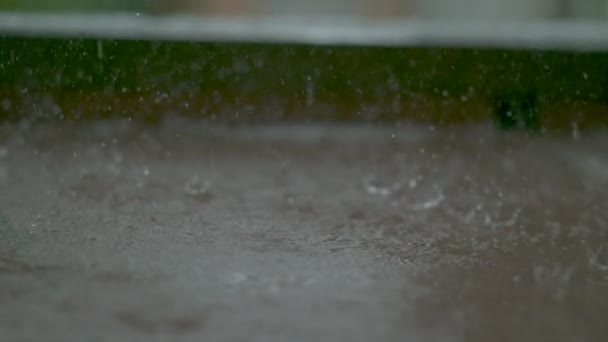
(111,231)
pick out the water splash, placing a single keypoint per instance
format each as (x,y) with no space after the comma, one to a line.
(598,258)
(431,203)
(196,186)
(376,188)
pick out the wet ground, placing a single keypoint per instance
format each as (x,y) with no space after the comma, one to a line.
(182,231)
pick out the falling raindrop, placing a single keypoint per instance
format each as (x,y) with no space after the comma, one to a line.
(99,49)
(310,91)
(576,134)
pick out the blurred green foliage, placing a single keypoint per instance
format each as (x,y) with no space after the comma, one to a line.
(204,75)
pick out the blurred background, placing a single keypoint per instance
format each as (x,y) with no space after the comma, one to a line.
(147,79)
(233,188)
(453,9)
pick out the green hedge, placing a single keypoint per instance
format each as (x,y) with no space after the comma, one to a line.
(242,72)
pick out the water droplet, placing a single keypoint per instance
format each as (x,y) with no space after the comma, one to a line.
(197,187)
(3,152)
(373,189)
(576,134)
(430,204)
(599,258)
(99,49)
(376,188)
(516,279)
(487,220)
(161,96)
(310,92)
(146,171)
(585,75)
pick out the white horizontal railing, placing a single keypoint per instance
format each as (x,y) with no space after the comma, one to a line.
(561,35)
